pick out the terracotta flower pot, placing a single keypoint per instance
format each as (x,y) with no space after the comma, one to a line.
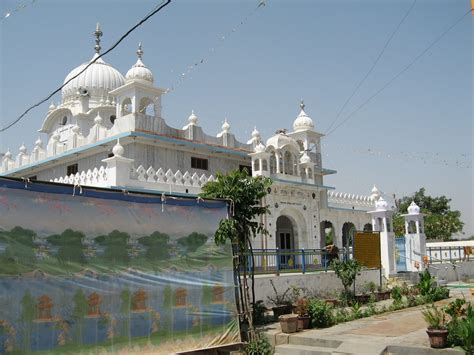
(438,337)
(361,299)
(280,310)
(304,322)
(288,323)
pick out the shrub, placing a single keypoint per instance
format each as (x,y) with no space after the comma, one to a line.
(342,316)
(425,284)
(463,331)
(279,299)
(320,313)
(356,311)
(346,271)
(396,294)
(259,346)
(302,307)
(434,317)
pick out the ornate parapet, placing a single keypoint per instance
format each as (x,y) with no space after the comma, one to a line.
(350,201)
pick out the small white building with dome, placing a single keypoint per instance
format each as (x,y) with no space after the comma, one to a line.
(108,131)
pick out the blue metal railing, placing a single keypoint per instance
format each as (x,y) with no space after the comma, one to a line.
(277,261)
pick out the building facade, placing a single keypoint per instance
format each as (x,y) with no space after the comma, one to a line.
(108,131)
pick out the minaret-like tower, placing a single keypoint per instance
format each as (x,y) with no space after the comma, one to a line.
(382,222)
(415,239)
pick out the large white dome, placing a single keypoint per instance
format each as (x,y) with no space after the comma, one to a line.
(99,79)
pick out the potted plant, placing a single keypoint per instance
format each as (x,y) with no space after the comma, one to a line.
(302,309)
(288,323)
(281,302)
(437,331)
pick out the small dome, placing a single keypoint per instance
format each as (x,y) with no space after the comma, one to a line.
(39,142)
(413,208)
(281,140)
(375,190)
(259,148)
(139,71)
(8,155)
(305,159)
(255,133)
(303,121)
(192,119)
(225,126)
(118,150)
(98,119)
(381,204)
(23,148)
(52,106)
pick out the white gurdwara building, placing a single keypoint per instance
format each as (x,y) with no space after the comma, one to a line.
(108,131)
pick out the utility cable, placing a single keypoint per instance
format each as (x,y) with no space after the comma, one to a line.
(400,72)
(373,65)
(143,20)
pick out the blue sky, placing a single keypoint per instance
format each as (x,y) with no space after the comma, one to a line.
(285,51)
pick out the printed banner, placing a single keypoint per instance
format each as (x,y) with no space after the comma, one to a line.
(88,271)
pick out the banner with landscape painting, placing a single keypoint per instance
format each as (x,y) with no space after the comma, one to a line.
(86,270)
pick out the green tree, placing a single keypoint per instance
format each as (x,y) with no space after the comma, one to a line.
(116,247)
(245,194)
(440,221)
(70,245)
(79,312)
(192,242)
(157,245)
(20,250)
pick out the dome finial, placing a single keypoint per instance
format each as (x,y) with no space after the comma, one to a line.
(302,105)
(97,33)
(139,50)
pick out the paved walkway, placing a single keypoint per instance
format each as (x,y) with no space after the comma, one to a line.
(399,332)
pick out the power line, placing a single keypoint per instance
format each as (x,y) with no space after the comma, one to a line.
(373,65)
(143,20)
(400,73)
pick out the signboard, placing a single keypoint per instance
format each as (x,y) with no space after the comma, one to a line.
(100,271)
(367,249)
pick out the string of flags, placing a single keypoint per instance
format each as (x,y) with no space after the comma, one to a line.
(18,8)
(205,58)
(462,161)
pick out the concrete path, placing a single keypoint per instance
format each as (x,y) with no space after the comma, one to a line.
(399,332)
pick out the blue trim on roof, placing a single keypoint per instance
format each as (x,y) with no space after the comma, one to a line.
(303,183)
(212,148)
(109,194)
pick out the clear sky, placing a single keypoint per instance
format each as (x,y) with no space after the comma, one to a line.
(417,132)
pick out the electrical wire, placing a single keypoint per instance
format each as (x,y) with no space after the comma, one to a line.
(348,117)
(157,9)
(373,65)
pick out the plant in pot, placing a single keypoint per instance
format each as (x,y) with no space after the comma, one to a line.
(302,309)
(281,302)
(437,331)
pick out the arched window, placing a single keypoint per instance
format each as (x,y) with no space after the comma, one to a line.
(63,121)
(112,119)
(126,106)
(411,227)
(272,163)
(146,106)
(368,227)
(264,165)
(288,163)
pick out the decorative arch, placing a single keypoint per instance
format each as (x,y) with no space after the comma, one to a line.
(328,233)
(348,232)
(288,162)
(300,230)
(126,106)
(146,106)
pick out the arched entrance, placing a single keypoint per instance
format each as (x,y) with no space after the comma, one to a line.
(285,238)
(348,232)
